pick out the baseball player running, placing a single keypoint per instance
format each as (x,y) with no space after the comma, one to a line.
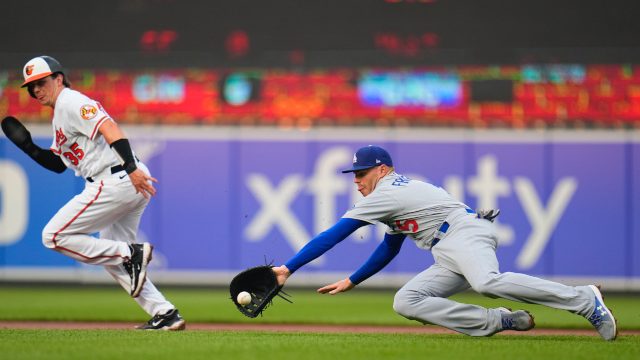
(463,245)
(117,190)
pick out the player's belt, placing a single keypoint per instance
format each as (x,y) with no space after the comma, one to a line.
(443,230)
(114,170)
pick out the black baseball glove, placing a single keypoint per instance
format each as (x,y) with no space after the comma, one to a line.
(261,283)
(16,132)
(19,135)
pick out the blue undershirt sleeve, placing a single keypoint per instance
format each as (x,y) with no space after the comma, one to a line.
(384,253)
(323,242)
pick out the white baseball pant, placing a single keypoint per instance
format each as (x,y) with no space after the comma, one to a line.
(108,205)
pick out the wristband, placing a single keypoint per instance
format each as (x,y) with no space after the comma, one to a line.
(123,150)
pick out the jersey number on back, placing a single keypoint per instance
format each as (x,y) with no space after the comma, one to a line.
(407,225)
(75,155)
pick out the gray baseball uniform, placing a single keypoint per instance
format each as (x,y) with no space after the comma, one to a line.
(464,250)
(463,244)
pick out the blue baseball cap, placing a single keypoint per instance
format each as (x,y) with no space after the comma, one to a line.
(368,157)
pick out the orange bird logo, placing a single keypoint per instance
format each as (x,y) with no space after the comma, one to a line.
(29,70)
(88,112)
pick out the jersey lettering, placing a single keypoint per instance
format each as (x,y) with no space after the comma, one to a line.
(61,138)
(407,225)
(400,181)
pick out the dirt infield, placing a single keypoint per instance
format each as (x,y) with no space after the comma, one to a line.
(290,328)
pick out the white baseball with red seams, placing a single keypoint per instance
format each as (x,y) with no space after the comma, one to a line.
(244,298)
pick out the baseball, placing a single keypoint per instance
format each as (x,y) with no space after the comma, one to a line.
(244,298)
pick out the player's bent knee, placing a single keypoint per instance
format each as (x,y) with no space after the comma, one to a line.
(403,302)
(399,305)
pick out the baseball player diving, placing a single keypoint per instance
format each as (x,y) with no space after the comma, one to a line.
(463,244)
(117,189)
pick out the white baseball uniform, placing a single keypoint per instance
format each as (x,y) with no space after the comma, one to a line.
(463,247)
(108,204)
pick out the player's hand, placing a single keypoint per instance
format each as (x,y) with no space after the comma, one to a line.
(337,287)
(142,182)
(282,274)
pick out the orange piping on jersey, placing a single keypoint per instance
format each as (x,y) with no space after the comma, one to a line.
(95,129)
(60,248)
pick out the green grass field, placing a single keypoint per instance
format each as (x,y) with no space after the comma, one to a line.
(355,307)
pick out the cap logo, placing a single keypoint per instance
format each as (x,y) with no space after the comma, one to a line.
(88,112)
(355,158)
(378,161)
(29,70)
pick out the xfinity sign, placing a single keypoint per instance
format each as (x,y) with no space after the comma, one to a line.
(485,188)
(234,198)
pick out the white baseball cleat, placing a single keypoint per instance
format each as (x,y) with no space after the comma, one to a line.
(601,318)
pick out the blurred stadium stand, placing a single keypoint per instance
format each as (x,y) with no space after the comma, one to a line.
(290,63)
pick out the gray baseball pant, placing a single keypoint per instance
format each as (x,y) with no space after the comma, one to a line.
(466,258)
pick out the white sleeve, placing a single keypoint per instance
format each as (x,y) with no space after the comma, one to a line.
(378,206)
(87,115)
(54,145)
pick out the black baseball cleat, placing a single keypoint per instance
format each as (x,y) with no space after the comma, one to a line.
(136,266)
(171,321)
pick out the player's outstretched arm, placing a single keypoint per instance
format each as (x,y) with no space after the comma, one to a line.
(323,242)
(19,135)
